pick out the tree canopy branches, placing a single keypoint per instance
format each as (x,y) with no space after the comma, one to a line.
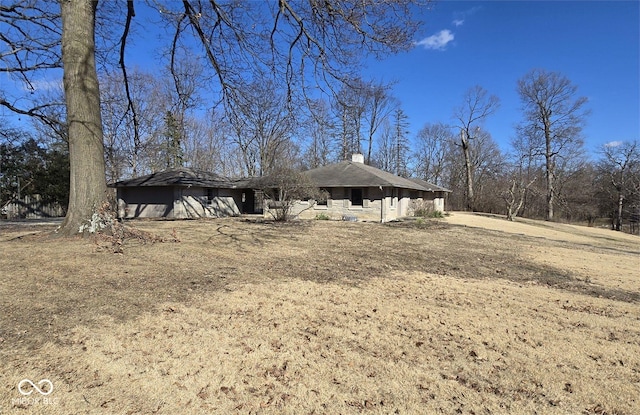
(31,36)
(303,45)
(553,120)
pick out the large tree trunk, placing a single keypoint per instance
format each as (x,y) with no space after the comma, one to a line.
(469,174)
(516,195)
(550,188)
(619,213)
(369,149)
(550,164)
(88,192)
(464,136)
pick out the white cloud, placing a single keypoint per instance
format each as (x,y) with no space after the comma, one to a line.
(613,144)
(43,85)
(438,41)
(458,22)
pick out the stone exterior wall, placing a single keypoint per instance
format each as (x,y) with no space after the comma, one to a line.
(377,205)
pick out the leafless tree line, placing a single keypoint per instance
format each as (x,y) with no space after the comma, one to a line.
(266,79)
(265,135)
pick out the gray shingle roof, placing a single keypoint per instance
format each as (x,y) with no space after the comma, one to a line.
(429,186)
(343,174)
(183,177)
(353,174)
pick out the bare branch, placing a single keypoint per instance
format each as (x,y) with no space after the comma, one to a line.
(30,37)
(123,44)
(36,112)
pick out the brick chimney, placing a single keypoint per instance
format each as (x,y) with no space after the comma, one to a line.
(357,158)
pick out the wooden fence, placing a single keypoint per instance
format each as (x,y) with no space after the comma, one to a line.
(31,207)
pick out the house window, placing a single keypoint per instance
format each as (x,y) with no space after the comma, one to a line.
(356,197)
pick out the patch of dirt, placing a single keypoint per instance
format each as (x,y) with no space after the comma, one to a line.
(246,316)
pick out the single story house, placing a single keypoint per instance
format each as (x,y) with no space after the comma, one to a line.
(183,193)
(356,191)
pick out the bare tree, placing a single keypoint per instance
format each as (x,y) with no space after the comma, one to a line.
(378,108)
(114,125)
(520,176)
(30,48)
(430,152)
(488,163)
(515,194)
(454,176)
(134,147)
(620,164)
(553,119)
(476,107)
(307,46)
(400,142)
(349,106)
(384,156)
(283,188)
(359,109)
(207,145)
(47,35)
(145,116)
(576,190)
(319,128)
(52,122)
(187,76)
(262,124)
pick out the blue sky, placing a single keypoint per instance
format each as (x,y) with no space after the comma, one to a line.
(492,44)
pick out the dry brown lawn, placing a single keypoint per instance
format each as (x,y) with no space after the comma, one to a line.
(471,315)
